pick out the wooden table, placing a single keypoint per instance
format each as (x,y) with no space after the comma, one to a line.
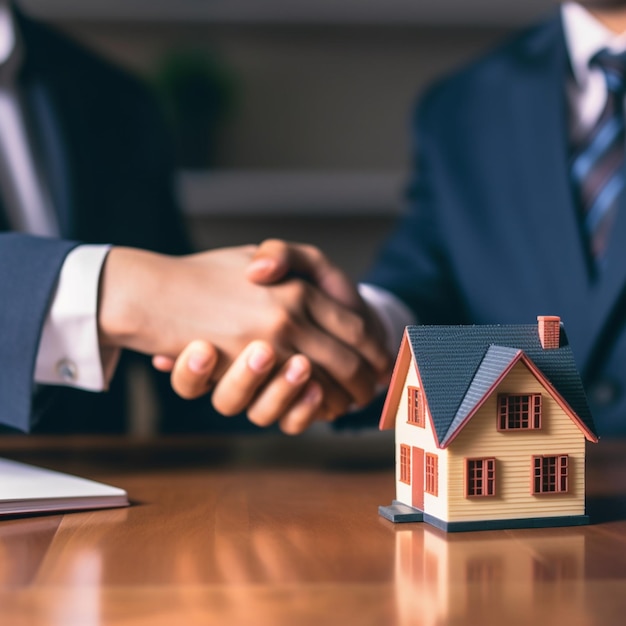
(272,531)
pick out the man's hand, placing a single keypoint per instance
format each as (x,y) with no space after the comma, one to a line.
(276,260)
(288,396)
(251,383)
(158,304)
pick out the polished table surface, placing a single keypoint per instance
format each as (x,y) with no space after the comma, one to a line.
(273,530)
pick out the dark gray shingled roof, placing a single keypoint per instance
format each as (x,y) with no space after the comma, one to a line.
(459,364)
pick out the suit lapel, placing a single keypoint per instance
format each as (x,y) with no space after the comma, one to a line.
(41,98)
(540,142)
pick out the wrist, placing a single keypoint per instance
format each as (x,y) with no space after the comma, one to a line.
(126,288)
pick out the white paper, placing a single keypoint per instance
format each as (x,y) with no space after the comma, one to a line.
(29,489)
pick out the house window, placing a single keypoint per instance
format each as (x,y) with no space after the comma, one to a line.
(519,412)
(481,477)
(550,474)
(432,474)
(416,406)
(405,464)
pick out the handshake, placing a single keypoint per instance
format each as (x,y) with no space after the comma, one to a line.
(275,329)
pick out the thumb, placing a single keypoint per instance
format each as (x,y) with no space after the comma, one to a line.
(270,263)
(274,260)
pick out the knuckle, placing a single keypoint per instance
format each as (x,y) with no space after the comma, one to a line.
(279,324)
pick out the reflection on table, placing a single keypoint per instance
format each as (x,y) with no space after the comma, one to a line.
(272,531)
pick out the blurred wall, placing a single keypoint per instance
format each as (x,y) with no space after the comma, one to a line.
(308,97)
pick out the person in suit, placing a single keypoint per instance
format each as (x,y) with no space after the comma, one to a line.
(90,256)
(496,230)
(517,205)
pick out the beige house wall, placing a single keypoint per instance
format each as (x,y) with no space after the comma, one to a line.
(513,451)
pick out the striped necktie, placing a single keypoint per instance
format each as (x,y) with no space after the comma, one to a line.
(597,162)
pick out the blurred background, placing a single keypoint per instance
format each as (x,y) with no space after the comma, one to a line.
(291,117)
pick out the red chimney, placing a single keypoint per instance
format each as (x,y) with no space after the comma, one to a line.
(549,331)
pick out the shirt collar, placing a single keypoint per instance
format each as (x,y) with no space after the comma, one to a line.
(584,36)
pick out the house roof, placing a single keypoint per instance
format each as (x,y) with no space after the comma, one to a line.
(459,365)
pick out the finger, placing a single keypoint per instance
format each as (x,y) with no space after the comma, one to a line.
(336,400)
(163,363)
(349,371)
(192,371)
(304,411)
(275,259)
(353,329)
(237,387)
(270,262)
(276,397)
(314,324)
(338,307)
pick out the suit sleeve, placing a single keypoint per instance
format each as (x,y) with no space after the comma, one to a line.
(29,269)
(413,264)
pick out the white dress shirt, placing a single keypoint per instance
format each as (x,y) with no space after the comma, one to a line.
(587,92)
(68,353)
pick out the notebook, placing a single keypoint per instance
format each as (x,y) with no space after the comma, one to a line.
(29,489)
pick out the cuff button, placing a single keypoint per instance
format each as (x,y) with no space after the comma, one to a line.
(67,370)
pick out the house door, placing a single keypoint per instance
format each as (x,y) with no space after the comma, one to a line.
(417,480)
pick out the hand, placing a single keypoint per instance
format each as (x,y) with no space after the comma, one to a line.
(158,304)
(288,396)
(275,260)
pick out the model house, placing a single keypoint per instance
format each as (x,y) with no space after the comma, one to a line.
(491,424)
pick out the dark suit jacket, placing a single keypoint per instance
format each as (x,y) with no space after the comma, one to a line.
(492,234)
(108,162)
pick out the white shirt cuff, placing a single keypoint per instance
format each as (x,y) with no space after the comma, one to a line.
(69,353)
(394,315)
